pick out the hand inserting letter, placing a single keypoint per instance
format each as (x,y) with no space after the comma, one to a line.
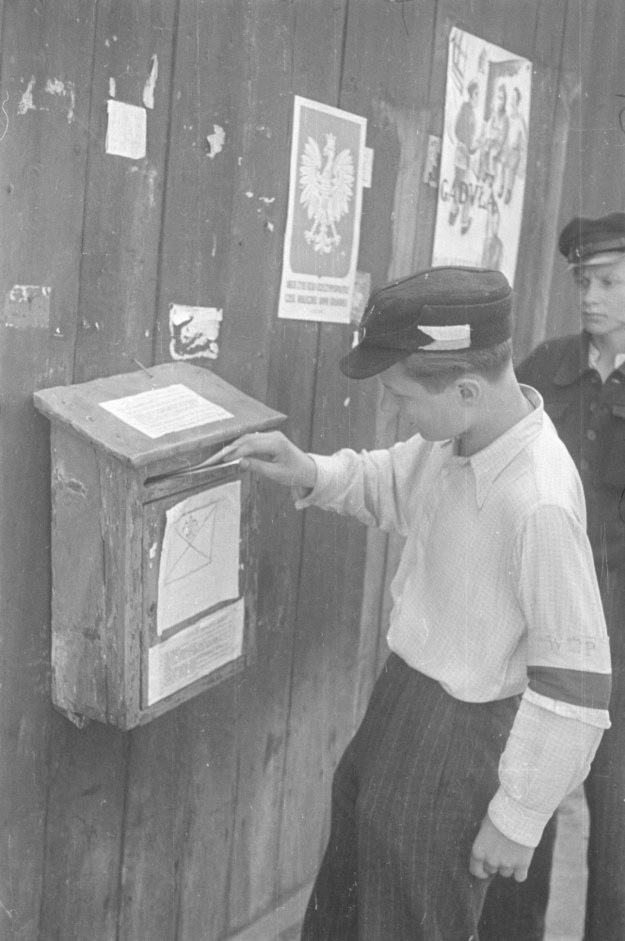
(271,455)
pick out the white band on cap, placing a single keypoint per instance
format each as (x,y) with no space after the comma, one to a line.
(603,258)
(456,337)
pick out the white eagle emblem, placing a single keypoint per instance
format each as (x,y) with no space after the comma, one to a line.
(326,190)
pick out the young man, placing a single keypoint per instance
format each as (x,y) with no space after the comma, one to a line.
(582,380)
(493,699)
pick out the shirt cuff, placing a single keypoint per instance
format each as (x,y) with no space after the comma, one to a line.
(600,718)
(518,823)
(304,498)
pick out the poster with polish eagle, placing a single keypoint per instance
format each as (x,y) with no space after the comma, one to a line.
(323,219)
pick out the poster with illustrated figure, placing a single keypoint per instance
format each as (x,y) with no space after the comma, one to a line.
(483,157)
(323,219)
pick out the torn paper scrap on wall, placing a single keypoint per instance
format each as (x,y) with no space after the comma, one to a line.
(26,101)
(64,90)
(27,305)
(193,332)
(53,86)
(126,130)
(215,141)
(150,85)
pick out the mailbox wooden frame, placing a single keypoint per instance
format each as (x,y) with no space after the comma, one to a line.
(107,478)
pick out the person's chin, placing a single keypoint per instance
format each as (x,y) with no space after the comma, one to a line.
(594,323)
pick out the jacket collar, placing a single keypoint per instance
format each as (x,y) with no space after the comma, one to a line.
(573,360)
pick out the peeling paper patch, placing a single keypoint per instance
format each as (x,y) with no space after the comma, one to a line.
(150,85)
(27,305)
(215,141)
(64,90)
(112,88)
(193,332)
(26,101)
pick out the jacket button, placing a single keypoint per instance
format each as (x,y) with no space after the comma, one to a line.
(591,434)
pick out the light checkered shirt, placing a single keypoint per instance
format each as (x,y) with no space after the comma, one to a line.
(495,594)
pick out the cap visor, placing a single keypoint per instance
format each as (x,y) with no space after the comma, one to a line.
(603,258)
(363,361)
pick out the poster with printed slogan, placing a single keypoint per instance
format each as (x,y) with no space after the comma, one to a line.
(323,220)
(483,157)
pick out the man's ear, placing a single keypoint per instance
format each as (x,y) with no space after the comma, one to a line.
(470,389)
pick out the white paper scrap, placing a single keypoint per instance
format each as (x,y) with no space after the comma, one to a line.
(199,564)
(126,130)
(159,412)
(367,166)
(196,651)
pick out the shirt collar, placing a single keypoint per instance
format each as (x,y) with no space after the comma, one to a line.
(593,357)
(488,463)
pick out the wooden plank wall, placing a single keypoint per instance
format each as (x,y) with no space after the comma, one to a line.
(206,820)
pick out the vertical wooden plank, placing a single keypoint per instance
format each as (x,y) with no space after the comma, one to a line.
(132,61)
(548,120)
(303,42)
(384,68)
(592,179)
(132,64)
(191,814)
(43,138)
(201,163)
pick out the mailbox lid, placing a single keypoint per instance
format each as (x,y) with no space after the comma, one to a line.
(79,407)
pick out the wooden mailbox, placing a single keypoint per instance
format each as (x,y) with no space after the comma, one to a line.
(153,562)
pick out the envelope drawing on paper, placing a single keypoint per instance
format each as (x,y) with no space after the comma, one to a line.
(199,564)
(191,543)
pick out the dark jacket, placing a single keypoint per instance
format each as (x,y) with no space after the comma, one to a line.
(590,418)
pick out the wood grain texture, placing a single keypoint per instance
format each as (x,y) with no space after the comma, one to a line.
(115,322)
(123,197)
(303,42)
(45,101)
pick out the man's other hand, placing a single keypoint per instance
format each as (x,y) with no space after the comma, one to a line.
(493,852)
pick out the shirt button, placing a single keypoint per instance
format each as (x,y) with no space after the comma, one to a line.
(591,434)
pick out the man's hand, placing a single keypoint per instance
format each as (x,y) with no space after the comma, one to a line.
(271,455)
(493,852)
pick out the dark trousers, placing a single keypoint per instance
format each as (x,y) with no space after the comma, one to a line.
(408,799)
(515,912)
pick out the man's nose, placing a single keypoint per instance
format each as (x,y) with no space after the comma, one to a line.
(590,291)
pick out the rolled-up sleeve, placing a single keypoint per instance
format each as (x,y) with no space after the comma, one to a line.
(565,708)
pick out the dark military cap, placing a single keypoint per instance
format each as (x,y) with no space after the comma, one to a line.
(593,241)
(439,310)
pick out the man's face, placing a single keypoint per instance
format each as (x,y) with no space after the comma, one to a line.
(436,416)
(602,297)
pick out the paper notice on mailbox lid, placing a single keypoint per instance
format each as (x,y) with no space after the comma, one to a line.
(163,411)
